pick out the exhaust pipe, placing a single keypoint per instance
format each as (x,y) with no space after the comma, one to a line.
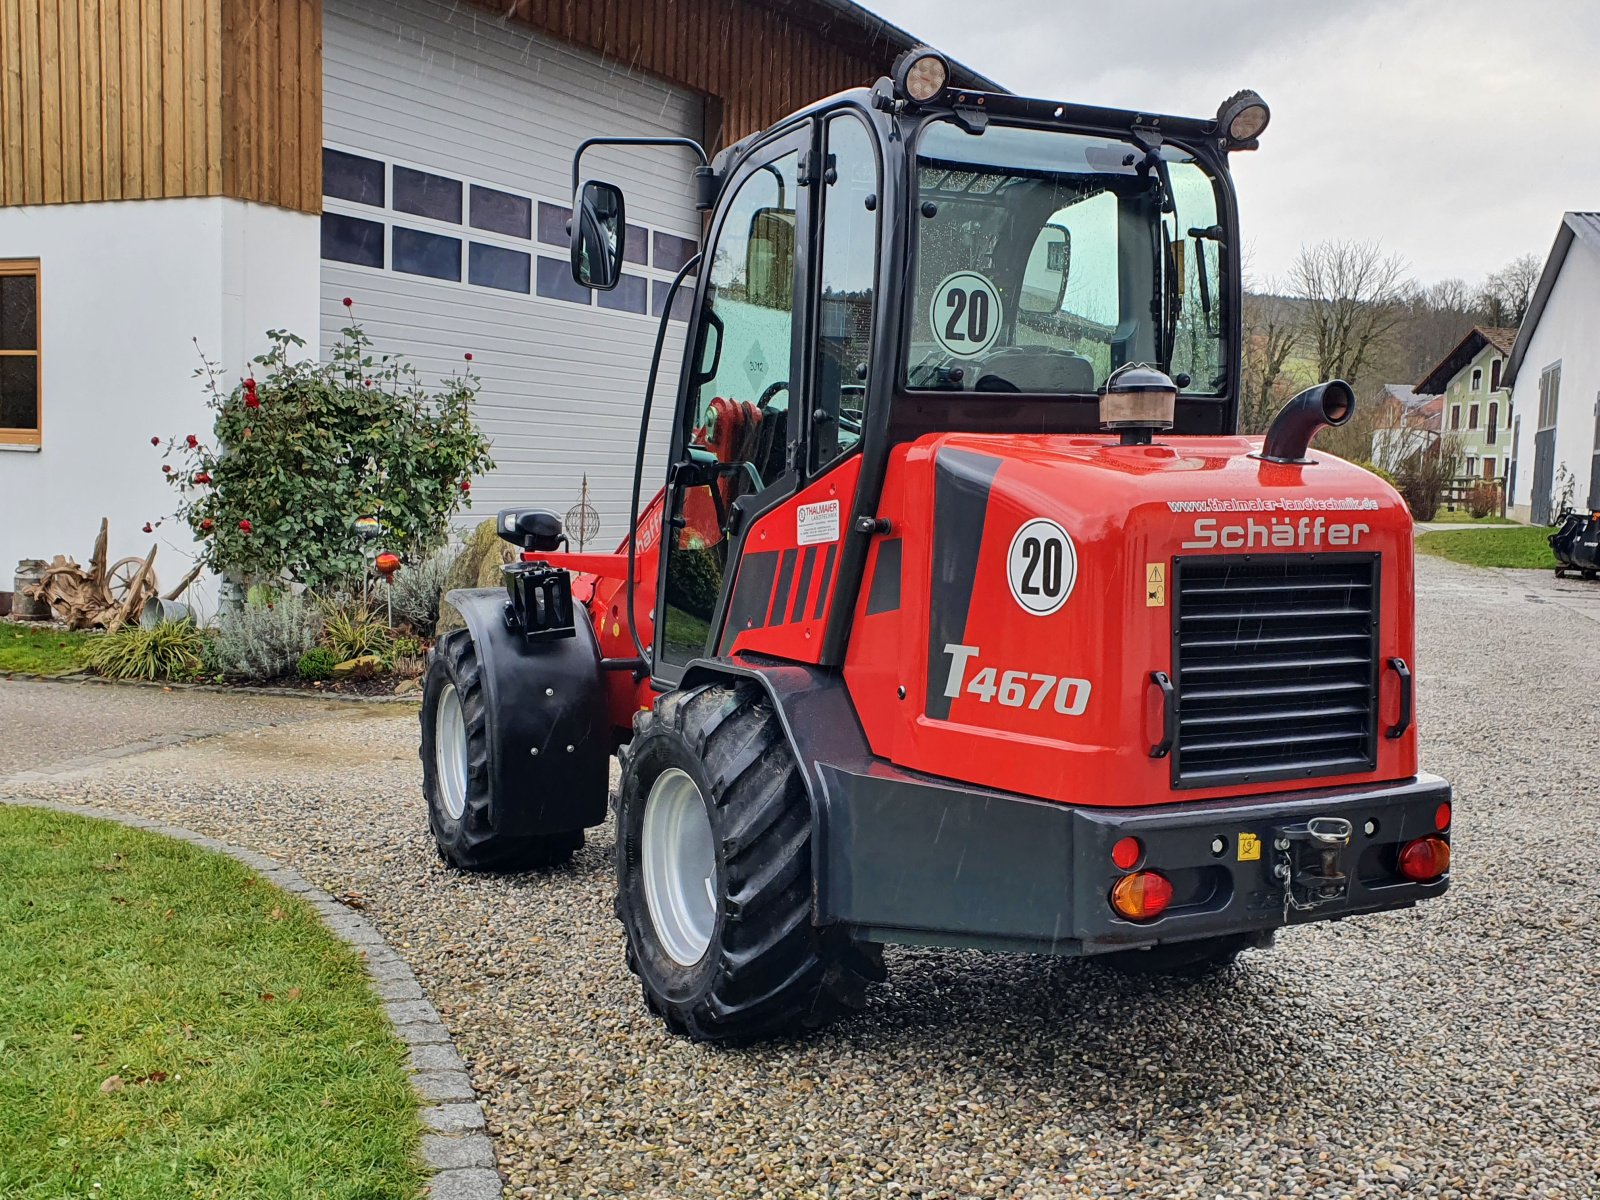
(1291,431)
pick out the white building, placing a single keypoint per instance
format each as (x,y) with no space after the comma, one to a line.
(1554,374)
(250,163)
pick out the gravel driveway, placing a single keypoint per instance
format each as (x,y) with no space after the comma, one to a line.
(1446,1051)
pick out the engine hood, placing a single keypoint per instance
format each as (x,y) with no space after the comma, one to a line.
(1034,599)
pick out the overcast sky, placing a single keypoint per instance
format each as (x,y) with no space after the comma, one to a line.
(1455,132)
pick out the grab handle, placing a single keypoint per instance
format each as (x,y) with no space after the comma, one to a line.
(1169,714)
(1398,729)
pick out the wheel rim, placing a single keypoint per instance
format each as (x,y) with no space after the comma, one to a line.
(450,752)
(679,860)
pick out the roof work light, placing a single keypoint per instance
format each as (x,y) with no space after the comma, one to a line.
(1240,120)
(920,75)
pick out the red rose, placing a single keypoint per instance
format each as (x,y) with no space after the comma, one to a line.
(469,356)
(349,303)
(249,385)
(155,441)
(466,485)
(148,528)
(244,526)
(207,524)
(366,383)
(165,469)
(192,441)
(250,401)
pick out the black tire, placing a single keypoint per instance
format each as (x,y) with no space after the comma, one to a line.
(470,841)
(768,971)
(1183,960)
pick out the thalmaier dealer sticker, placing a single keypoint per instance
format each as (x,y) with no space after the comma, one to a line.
(1041,567)
(817,523)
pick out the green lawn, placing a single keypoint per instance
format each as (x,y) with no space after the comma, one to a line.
(35,650)
(1462,517)
(172,1026)
(1504,546)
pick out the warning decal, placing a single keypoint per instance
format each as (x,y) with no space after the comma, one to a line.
(1155,585)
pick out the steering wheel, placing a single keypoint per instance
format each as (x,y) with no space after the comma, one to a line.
(772,390)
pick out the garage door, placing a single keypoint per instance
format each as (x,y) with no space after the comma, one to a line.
(448,140)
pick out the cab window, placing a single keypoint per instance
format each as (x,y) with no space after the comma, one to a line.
(846,274)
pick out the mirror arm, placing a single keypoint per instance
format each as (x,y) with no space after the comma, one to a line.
(638,461)
(686,143)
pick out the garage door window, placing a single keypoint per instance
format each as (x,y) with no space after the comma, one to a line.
(388,215)
(19,352)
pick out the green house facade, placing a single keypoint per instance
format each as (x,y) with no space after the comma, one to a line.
(1476,400)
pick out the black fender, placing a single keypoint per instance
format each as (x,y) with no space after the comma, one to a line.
(549,732)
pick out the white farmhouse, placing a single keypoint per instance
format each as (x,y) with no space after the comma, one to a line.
(1554,375)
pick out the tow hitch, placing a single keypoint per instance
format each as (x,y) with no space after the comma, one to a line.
(1309,862)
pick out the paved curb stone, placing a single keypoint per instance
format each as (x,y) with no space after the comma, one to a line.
(456,1150)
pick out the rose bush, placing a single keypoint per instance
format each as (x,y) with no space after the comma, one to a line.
(301,449)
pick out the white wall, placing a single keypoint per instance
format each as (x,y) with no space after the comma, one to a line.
(125,288)
(1568,332)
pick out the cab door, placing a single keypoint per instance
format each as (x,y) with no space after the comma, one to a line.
(734,441)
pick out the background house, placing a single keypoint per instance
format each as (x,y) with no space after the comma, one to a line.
(1554,376)
(1475,401)
(1407,425)
(201,173)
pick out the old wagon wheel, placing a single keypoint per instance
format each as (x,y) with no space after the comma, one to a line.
(121,576)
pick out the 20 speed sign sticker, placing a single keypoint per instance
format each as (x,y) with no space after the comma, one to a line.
(1042,566)
(965,314)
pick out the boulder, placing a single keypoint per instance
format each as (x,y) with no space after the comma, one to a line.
(478,565)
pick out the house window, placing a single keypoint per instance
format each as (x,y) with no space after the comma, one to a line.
(1477,378)
(1472,417)
(1455,416)
(19,352)
(1494,419)
(1494,375)
(1549,395)
(1488,468)
(1472,467)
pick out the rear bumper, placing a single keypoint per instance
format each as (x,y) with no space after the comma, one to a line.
(907,859)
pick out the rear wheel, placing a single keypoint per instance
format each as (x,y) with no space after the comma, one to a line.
(714,874)
(1188,960)
(455,769)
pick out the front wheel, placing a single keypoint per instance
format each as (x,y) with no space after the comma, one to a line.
(714,874)
(456,736)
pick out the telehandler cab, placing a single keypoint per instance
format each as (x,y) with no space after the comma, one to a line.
(965,616)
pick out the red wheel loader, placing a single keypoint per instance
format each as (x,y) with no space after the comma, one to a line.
(963,614)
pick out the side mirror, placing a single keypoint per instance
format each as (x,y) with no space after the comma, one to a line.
(531,528)
(769,258)
(1044,279)
(598,231)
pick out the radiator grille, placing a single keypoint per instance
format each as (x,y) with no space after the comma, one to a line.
(1275,660)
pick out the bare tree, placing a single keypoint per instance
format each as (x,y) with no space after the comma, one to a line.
(1505,295)
(1271,333)
(1353,297)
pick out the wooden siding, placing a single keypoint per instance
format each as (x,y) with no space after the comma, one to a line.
(145,99)
(754,63)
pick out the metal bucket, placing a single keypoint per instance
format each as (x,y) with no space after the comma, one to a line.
(158,611)
(23,608)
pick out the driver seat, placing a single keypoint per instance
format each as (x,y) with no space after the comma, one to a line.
(1036,369)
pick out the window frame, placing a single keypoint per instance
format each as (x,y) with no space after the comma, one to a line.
(1477,379)
(28,438)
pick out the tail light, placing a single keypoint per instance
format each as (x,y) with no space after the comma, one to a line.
(1425,859)
(1441,817)
(1142,896)
(1126,853)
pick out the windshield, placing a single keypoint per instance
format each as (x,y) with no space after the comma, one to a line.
(1045,260)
